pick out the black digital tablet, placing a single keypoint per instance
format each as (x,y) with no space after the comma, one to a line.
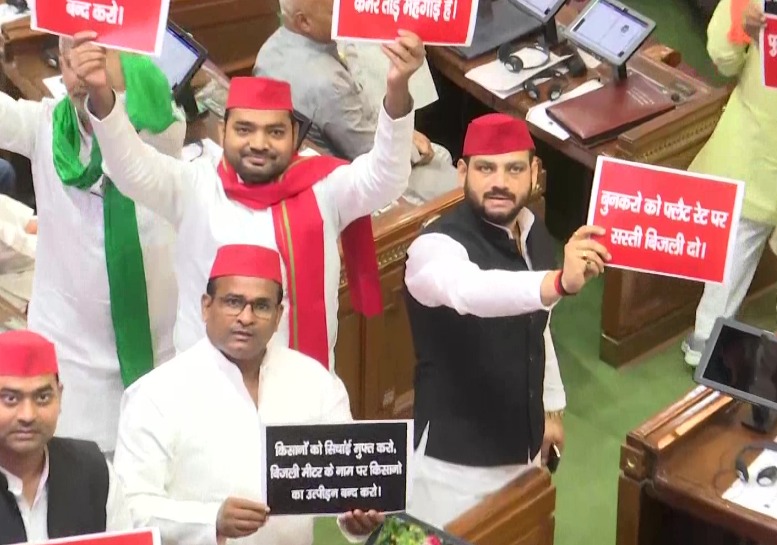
(180,58)
(741,361)
(544,10)
(610,30)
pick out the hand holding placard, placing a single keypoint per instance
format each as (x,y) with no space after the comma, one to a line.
(584,258)
(240,518)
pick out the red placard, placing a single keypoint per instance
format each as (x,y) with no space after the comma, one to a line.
(769,51)
(666,221)
(436,22)
(129,25)
(149,536)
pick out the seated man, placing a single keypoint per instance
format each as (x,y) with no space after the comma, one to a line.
(49,487)
(189,445)
(344,116)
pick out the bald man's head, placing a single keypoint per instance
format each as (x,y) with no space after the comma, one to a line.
(311,18)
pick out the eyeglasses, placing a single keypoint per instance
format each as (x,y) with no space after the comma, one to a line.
(234,305)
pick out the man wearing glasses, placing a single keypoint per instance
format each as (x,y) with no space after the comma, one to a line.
(189,445)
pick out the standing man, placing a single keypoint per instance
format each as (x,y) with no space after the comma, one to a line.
(263,193)
(481,281)
(49,487)
(189,446)
(103,289)
(741,147)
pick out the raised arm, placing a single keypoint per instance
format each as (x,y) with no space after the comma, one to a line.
(158,182)
(380,176)
(143,462)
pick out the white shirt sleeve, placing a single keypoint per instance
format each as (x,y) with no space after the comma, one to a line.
(143,461)
(19,121)
(376,178)
(553,397)
(152,179)
(439,273)
(117,512)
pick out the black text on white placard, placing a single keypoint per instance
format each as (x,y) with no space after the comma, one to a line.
(329,469)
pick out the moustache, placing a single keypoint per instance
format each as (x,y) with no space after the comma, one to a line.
(266,155)
(499,194)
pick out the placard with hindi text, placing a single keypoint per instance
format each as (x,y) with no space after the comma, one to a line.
(127,25)
(665,221)
(327,469)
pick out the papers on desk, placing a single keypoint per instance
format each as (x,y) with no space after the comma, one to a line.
(9,13)
(56,86)
(538,115)
(497,79)
(761,499)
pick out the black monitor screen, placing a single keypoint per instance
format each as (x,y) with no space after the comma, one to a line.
(178,58)
(742,362)
(541,9)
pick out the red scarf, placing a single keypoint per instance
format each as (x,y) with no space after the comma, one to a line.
(299,234)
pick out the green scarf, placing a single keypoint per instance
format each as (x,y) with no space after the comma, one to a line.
(149,107)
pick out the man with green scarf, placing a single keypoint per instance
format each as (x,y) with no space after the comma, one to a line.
(104,289)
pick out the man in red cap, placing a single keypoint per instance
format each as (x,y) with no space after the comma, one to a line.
(481,282)
(189,446)
(264,193)
(49,487)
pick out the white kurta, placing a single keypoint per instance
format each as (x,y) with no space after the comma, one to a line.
(190,196)
(70,299)
(35,515)
(189,438)
(439,273)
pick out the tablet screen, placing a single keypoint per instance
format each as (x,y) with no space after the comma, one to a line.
(541,9)
(612,32)
(744,362)
(177,58)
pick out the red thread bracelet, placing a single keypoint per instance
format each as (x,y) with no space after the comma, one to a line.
(559,286)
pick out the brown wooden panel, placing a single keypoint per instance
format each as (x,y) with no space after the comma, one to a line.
(231,30)
(348,353)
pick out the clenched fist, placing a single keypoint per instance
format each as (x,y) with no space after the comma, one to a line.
(89,61)
(240,518)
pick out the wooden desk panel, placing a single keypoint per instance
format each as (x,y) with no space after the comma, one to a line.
(674,470)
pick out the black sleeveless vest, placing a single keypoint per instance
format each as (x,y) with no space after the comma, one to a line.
(77,493)
(479,381)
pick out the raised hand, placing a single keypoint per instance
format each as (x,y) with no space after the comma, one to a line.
(406,54)
(584,258)
(89,60)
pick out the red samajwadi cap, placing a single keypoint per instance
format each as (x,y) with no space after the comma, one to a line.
(247,260)
(254,93)
(26,354)
(495,134)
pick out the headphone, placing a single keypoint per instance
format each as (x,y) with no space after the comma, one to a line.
(767,476)
(576,67)
(514,63)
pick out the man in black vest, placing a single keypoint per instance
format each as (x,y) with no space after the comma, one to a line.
(49,487)
(480,284)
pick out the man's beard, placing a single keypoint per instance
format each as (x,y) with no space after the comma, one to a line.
(251,177)
(501,218)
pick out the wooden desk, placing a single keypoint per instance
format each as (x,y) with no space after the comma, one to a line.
(639,311)
(522,513)
(674,470)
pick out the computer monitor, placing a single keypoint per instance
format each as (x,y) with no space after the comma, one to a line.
(545,11)
(498,22)
(741,360)
(611,31)
(180,59)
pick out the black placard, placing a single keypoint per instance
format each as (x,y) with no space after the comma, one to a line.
(407,530)
(327,469)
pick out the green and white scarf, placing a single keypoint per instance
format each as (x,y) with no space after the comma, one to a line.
(149,107)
